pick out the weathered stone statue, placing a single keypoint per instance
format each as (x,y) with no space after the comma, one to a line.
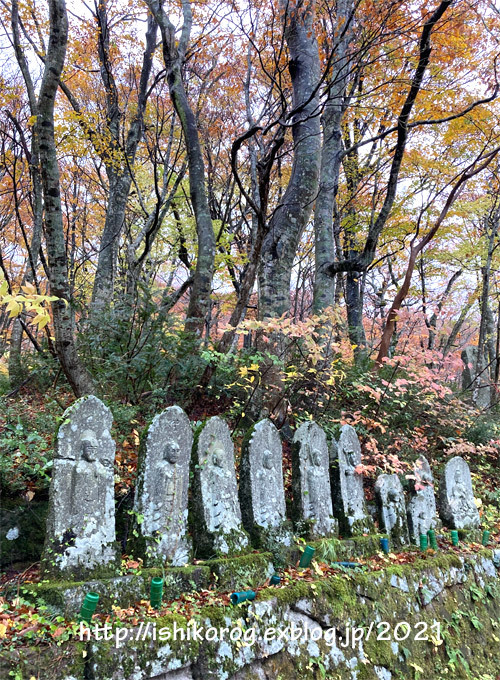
(80,538)
(161,498)
(312,497)
(262,493)
(215,513)
(391,509)
(458,510)
(349,503)
(475,379)
(422,504)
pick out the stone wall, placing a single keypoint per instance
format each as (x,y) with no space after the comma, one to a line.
(461,593)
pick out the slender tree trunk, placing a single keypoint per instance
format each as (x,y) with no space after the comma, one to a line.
(74,370)
(354,306)
(485,343)
(120,178)
(433,320)
(457,326)
(15,366)
(331,161)
(355,261)
(174,53)
(104,281)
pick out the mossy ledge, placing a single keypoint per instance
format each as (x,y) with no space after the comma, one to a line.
(460,593)
(122,591)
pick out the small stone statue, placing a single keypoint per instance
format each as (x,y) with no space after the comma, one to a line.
(391,509)
(312,499)
(215,517)
(422,504)
(347,484)
(458,509)
(80,538)
(262,493)
(161,499)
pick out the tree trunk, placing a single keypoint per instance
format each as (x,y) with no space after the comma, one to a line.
(120,179)
(476,167)
(174,53)
(16,375)
(291,216)
(104,281)
(485,343)
(74,370)
(331,161)
(354,306)
(356,260)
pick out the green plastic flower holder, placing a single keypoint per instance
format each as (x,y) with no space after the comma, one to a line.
(238,598)
(431,535)
(88,607)
(384,544)
(307,556)
(156,592)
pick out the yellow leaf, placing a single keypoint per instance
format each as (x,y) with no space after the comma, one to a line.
(41,320)
(29,289)
(14,309)
(417,668)
(3,630)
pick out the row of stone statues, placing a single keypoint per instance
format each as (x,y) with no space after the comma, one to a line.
(219,517)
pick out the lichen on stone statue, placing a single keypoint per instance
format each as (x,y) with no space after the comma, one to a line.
(215,516)
(80,537)
(161,497)
(261,490)
(312,495)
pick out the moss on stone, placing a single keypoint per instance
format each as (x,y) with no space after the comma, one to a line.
(121,591)
(243,571)
(466,606)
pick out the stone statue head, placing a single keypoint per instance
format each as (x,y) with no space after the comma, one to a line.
(267,460)
(315,457)
(349,455)
(217,456)
(392,496)
(172,452)
(89,446)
